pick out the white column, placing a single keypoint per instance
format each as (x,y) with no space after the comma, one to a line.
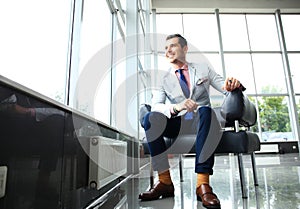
(130,111)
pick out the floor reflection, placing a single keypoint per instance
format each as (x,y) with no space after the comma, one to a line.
(278,178)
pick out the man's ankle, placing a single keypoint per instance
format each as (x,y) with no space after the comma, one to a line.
(202,178)
(165,177)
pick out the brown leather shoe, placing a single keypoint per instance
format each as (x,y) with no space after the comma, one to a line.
(157,191)
(209,199)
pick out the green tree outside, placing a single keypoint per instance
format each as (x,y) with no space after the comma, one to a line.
(273,112)
(298,109)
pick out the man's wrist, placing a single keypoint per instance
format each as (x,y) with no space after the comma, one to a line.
(176,111)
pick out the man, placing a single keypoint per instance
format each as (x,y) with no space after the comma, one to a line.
(186,86)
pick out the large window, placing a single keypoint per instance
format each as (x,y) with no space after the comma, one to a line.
(75,52)
(263,34)
(49,46)
(275,122)
(34,44)
(252,53)
(203,37)
(291,31)
(294,60)
(94,75)
(174,24)
(240,66)
(234,33)
(298,107)
(269,73)
(292,34)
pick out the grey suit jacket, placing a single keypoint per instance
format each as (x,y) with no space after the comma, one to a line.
(169,92)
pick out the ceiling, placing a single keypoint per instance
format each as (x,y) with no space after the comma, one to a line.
(190,6)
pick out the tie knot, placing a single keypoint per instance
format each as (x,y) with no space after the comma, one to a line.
(179,71)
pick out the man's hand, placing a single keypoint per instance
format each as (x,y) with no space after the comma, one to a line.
(231,83)
(188,104)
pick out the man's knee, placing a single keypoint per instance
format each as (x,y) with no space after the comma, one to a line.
(154,118)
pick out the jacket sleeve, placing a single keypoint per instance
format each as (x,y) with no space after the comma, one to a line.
(159,102)
(216,80)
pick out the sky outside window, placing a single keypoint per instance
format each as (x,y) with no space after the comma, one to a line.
(239,66)
(34,44)
(291,29)
(96,40)
(294,60)
(201,32)
(269,74)
(168,24)
(234,33)
(263,32)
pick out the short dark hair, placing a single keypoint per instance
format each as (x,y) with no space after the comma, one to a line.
(182,41)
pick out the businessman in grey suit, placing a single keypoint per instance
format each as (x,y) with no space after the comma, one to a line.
(186,87)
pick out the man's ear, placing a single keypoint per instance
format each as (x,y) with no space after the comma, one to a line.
(185,49)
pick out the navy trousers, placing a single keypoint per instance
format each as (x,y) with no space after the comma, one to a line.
(204,124)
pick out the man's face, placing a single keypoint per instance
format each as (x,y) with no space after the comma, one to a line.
(174,52)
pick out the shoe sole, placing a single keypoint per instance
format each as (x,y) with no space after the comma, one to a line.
(167,195)
(156,198)
(208,206)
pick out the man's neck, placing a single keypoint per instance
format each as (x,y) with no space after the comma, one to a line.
(178,64)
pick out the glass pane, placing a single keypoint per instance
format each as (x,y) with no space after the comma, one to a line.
(298,108)
(34,44)
(123,4)
(215,61)
(269,74)
(294,61)
(274,118)
(95,60)
(143,50)
(216,97)
(102,99)
(163,64)
(118,83)
(204,37)
(119,92)
(291,29)
(234,33)
(94,37)
(168,24)
(240,67)
(263,33)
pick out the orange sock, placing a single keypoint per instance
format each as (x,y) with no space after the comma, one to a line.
(165,177)
(202,178)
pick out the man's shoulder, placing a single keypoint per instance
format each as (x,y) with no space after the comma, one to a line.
(166,73)
(203,66)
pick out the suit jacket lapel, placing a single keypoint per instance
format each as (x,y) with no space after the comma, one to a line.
(172,86)
(193,76)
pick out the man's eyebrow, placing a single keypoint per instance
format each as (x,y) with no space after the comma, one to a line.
(173,44)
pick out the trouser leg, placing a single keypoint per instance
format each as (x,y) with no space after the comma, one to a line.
(208,137)
(157,126)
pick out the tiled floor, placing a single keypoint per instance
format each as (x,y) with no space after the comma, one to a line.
(278,178)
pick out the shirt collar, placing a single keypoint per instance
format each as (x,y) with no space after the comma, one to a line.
(184,67)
